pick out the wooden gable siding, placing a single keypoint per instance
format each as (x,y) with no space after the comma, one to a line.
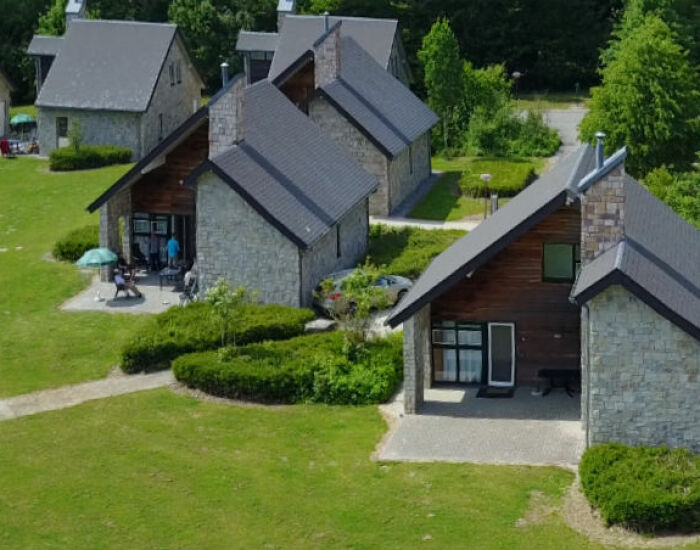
(509,288)
(160,190)
(300,86)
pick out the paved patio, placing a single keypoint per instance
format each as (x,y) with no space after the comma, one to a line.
(455,426)
(154,299)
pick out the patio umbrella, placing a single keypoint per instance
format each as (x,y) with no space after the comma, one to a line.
(21,118)
(96,258)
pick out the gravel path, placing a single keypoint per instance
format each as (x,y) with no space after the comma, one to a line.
(69,396)
(423,224)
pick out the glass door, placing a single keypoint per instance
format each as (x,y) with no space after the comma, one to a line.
(501,354)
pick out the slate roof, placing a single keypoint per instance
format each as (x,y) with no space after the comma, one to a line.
(299,32)
(287,168)
(107,65)
(45,45)
(507,224)
(249,41)
(375,101)
(658,257)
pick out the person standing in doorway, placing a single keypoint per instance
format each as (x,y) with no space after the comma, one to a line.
(173,251)
(154,252)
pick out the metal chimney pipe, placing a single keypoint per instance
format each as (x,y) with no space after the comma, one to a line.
(224,73)
(326,21)
(600,153)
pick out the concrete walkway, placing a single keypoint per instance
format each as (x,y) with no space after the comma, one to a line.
(69,396)
(423,224)
(455,426)
(565,122)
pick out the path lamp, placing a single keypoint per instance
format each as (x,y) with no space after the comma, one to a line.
(486,178)
(516,77)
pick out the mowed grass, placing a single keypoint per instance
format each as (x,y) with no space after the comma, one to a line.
(41,347)
(26,109)
(159,470)
(541,101)
(450,200)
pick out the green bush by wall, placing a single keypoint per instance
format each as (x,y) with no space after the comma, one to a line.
(193,328)
(644,488)
(88,156)
(312,368)
(71,247)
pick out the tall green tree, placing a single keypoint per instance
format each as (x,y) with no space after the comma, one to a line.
(443,69)
(649,100)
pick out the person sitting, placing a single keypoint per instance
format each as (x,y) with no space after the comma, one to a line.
(127,269)
(125,286)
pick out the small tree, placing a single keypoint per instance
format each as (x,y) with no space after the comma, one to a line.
(228,305)
(75,135)
(354,303)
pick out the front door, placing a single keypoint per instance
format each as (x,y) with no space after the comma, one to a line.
(501,354)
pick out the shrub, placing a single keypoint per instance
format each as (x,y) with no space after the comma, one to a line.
(407,251)
(195,328)
(71,247)
(312,368)
(508,177)
(643,488)
(87,156)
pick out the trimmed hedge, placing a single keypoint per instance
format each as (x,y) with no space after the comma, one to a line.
(644,488)
(71,247)
(311,368)
(193,328)
(88,156)
(519,174)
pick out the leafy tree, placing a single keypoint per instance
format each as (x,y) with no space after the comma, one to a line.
(680,191)
(227,306)
(649,100)
(76,135)
(442,66)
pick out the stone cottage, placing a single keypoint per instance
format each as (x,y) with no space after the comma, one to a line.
(268,54)
(367,111)
(126,83)
(255,191)
(6,87)
(584,273)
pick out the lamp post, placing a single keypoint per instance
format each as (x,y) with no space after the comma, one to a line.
(516,77)
(486,178)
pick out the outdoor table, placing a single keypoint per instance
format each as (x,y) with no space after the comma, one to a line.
(568,379)
(170,274)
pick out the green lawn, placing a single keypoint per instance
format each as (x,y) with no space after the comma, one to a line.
(546,101)
(26,109)
(407,251)
(41,347)
(448,199)
(157,470)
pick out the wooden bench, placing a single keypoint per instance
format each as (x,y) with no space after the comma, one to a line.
(569,379)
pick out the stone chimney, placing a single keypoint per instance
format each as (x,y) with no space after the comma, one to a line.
(75,9)
(603,205)
(226,117)
(285,8)
(327,56)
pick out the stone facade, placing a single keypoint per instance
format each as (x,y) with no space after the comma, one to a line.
(408,170)
(238,244)
(416,356)
(644,375)
(140,132)
(364,151)
(322,258)
(603,215)
(5,105)
(174,102)
(99,128)
(115,211)
(226,120)
(327,58)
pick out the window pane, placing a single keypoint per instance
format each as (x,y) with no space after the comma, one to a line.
(444,337)
(445,365)
(558,261)
(469,337)
(470,363)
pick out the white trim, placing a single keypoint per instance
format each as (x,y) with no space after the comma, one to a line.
(512,360)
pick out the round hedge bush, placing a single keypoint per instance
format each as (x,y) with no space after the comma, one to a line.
(88,157)
(71,247)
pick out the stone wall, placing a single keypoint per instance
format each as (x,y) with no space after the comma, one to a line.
(322,259)
(99,128)
(116,208)
(416,358)
(402,180)
(176,103)
(603,215)
(327,58)
(5,104)
(226,119)
(363,150)
(236,243)
(644,375)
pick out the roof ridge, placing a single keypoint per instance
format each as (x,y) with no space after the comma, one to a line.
(658,262)
(343,17)
(123,22)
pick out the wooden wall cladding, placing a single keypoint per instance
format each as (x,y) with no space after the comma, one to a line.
(160,190)
(509,288)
